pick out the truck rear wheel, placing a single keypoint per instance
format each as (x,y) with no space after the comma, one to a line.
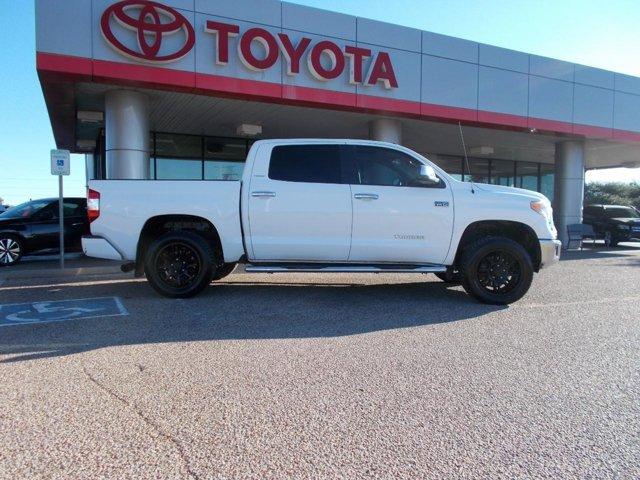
(179,264)
(496,270)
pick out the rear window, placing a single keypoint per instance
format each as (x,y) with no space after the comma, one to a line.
(306,163)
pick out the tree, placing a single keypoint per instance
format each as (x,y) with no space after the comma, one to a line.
(613,193)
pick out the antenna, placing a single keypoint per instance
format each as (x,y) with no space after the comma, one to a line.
(466,159)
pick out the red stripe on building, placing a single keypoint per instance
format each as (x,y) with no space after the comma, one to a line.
(318,96)
(505,119)
(82,69)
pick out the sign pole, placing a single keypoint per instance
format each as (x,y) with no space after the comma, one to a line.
(60,166)
(61,219)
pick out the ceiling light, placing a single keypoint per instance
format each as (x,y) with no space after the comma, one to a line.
(247,130)
(481,150)
(87,116)
(86,145)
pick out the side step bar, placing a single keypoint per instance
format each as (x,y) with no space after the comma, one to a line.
(341,268)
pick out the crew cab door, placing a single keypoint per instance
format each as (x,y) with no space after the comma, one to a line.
(299,206)
(396,216)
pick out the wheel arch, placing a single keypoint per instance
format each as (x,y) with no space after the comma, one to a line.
(516,231)
(161,224)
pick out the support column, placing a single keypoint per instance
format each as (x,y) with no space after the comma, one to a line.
(126,135)
(569,186)
(386,130)
(90,170)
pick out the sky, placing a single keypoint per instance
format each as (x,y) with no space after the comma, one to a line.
(598,33)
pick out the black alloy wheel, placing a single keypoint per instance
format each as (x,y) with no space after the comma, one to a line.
(179,264)
(496,270)
(499,272)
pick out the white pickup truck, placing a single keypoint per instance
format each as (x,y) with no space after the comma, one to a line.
(311,205)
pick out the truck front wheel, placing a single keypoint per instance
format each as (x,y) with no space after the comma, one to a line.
(179,264)
(496,270)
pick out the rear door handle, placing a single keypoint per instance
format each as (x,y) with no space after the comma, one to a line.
(365,196)
(263,194)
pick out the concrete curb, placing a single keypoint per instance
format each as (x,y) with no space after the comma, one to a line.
(58,273)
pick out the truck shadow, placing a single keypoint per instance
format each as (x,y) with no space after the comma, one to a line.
(242,310)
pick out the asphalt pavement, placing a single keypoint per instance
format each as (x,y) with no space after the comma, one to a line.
(324,376)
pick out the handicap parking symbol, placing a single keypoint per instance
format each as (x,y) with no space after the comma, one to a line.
(60,311)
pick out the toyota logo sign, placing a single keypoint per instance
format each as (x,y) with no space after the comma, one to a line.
(151,22)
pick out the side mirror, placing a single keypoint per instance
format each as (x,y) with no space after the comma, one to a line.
(428,175)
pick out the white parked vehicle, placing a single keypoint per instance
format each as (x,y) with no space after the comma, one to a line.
(325,206)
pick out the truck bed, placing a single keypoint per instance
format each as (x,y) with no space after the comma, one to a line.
(127,204)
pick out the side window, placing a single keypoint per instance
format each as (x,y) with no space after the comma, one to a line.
(388,167)
(74,208)
(306,163)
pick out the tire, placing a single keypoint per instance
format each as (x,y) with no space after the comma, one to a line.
(450,276)
(179,264)
(11,249)
(610,239)
(496,270)
(224,270)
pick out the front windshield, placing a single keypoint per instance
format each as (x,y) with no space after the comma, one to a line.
(622,212)
(25,210)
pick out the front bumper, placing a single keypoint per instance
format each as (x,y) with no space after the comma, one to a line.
(549,252)
(99,247)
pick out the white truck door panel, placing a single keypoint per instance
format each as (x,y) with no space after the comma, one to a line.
(297,220)
(396,217)
(401,224)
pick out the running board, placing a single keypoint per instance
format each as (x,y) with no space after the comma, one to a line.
(341,268)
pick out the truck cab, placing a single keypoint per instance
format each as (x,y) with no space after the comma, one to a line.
(318,205)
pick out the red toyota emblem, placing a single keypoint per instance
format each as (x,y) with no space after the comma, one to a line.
(151,21)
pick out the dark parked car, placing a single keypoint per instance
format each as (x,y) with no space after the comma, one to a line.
(613,223)
(32,227)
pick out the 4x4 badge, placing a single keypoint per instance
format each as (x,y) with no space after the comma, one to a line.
(439,203)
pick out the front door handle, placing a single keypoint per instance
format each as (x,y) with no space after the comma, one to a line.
(365,196)
(263,194)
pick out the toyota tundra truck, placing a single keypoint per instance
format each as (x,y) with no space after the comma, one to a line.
(312,205)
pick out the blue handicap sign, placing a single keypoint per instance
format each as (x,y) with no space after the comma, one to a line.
(60,162)
(60,311)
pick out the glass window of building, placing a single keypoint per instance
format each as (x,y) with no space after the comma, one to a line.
(479,170)
(224,158)
(502,172)
(527,175)
(450,164)
(178,157)
(547,176)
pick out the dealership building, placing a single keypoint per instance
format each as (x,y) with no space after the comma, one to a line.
(179,89)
